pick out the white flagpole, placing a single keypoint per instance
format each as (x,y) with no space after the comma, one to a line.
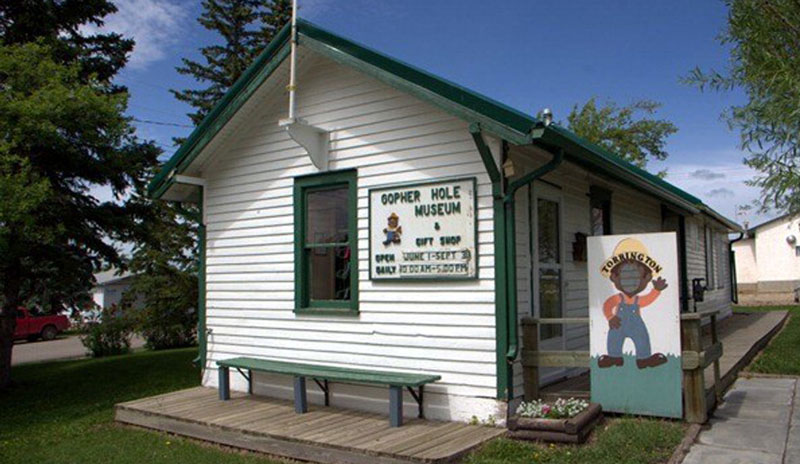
(293,61)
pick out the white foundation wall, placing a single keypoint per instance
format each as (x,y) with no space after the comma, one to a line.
(445,328)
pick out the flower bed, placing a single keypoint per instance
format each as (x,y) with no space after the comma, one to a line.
(568,421)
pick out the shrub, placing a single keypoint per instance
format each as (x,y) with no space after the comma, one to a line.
(167,332)
(109,336)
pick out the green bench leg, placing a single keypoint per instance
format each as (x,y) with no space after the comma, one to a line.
(395,406)
(224,383)
(300,401)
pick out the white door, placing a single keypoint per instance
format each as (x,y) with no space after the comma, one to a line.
(547,278)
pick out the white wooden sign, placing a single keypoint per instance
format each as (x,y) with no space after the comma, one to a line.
(424,231)
(634,314)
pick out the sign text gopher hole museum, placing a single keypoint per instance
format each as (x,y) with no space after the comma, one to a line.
(423,231)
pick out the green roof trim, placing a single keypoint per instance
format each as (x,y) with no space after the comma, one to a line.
(236,96)
(476,102)
(584,152)
(517,125)
(491,115)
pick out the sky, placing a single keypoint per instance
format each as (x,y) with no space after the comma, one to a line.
(529,54)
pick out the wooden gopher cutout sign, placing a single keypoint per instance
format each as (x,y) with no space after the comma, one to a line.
(634,311)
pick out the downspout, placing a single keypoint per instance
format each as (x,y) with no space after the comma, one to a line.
(505,257)
(732,264)
(501,340)
(511,249)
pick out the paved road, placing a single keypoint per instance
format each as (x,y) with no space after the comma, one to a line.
(758,423)
(61,348)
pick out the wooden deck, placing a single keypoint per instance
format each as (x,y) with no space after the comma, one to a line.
(743,335)
(324,434)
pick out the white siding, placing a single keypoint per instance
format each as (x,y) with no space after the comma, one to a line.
(768,264)
(746,270)
(390,137)
(719,296)
(631,212)
(776,257)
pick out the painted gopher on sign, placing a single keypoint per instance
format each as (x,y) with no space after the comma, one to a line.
(630,269)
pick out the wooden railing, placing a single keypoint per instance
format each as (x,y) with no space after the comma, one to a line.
(695,359)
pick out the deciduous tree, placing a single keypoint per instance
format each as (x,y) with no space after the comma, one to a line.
(763,39)
(628,131)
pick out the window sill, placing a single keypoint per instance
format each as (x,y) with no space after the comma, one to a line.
(326,312)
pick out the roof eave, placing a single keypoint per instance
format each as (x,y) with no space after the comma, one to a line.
(580,153)
(493,116)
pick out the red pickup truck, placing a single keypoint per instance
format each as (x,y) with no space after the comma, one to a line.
(32,327)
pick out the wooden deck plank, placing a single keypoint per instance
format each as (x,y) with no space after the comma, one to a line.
(175,394)
(210,409)
(258,411)
(167,398)
(401,446)
(411,433)
(461,444)
(369,427)
(437,440)
(324,420)
(319,433)
(328,434)
(259,443)
(177,407)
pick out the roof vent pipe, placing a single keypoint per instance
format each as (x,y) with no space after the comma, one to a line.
(547,115)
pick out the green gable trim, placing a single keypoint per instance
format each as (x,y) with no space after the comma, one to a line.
(472,106)
(495,117)
(251,79)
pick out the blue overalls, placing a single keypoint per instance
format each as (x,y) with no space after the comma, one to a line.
(391,236)
(632,326)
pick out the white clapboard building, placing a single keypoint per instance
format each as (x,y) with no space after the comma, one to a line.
(768,262)
(401,222)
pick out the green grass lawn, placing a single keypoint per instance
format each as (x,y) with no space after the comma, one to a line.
(625,440)
(782,355)
(62,412)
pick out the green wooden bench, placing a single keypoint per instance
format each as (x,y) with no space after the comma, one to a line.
(324,374)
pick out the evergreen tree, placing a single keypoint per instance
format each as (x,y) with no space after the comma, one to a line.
(246,27)
(57,23)
(165,265)
(63,131)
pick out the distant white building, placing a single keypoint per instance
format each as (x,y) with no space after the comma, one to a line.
(110,287)
(768,261)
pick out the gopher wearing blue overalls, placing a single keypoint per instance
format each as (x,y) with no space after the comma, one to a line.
(631,273)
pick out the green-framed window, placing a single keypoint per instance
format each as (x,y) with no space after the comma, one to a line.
(326,243)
